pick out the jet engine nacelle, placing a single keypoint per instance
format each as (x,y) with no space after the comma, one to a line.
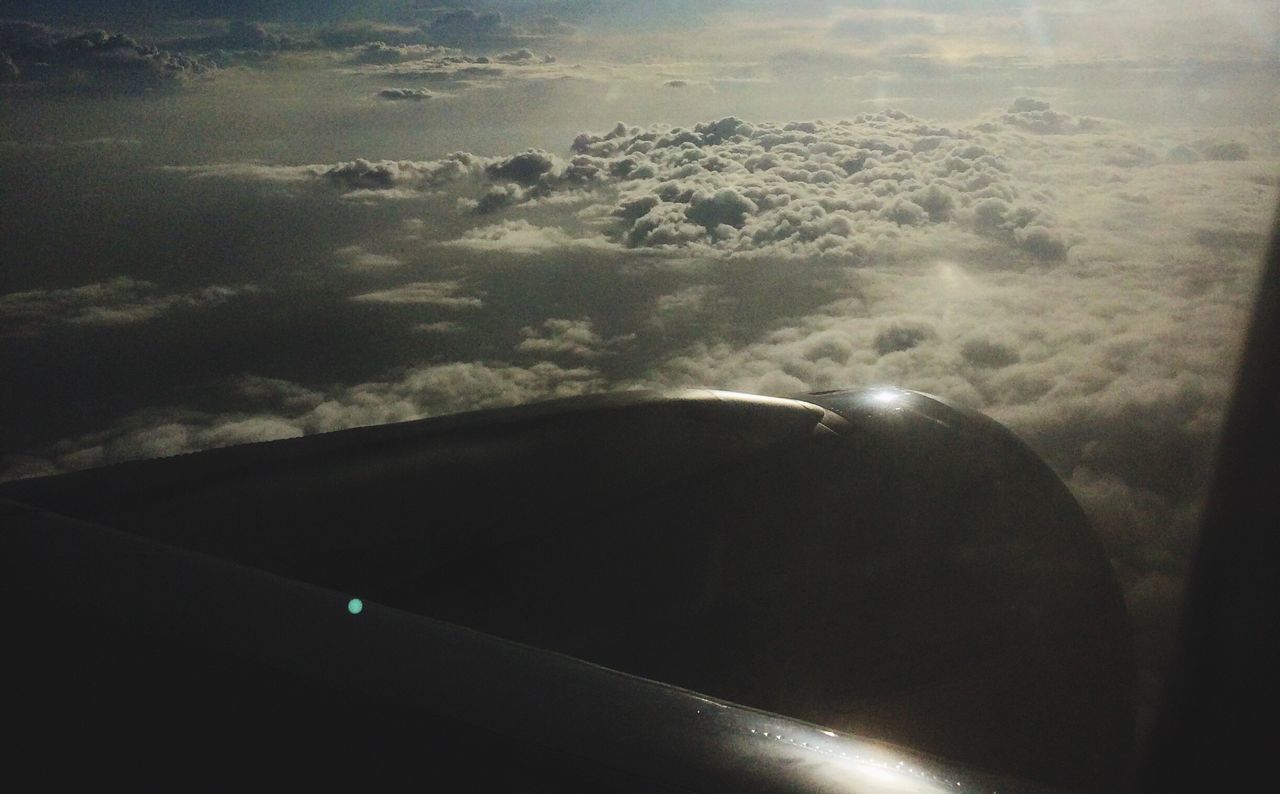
(876,561)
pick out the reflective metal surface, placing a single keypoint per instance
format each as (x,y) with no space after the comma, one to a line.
(872,560)
(221,676)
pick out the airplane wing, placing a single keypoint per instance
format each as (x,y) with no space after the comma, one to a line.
(574,595)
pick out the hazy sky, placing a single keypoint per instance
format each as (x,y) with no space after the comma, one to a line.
(251,220)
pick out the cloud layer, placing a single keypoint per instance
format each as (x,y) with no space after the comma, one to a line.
(296,410)
(120,301)
(846,191)
(1079,279)
(96,61)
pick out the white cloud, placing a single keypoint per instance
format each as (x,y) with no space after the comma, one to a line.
(816,189)
(288,410)
(1094,306)
(683,305)
(452,67)
(522,237)
(562,337)
(1035,115)
(441,327)
(256,172)
(1081,281)
(355,257)
(120,301)
(360,175)
(405,94)
(529,176)
(425,293)
(835,190)
(89,62)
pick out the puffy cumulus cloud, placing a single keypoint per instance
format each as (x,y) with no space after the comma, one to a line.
(686,301)
(360,33)
(1132,155)
(901,334)
(151,434)
(527,168)
(446,388)
(402,94)
(120,301)
(848,192)
(413,228)
(522,55)
(851,343)
(422,293)
(439,327)
(461,47)
(567,337)
(95,61)
(1026,227)
(522,237)
(1121,386)
(1133,437)
(385,174)
(358,179)
(1041,241)
(275,394)
(446,65)
(1114,357)
(724,207)
(355,257)
(497,197)
(982,351)
(285,410)
(1214,149)
(353,175)
(532,175)
(380,53)
(844,190)
(253,172)
(469,26)
(1034,115)
(422,61)
(561,337)
(1084,289)
(496,181)
(238,37)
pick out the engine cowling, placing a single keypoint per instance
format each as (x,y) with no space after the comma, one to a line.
(873,560)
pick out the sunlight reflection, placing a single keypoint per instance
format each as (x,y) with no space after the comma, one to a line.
(850,764)
(953,276)
(887,396)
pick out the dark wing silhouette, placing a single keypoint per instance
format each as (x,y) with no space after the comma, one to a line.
(874,561)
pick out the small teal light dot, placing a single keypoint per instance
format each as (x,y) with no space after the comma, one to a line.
(355,606)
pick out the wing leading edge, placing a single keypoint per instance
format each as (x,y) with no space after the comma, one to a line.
(877,561)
